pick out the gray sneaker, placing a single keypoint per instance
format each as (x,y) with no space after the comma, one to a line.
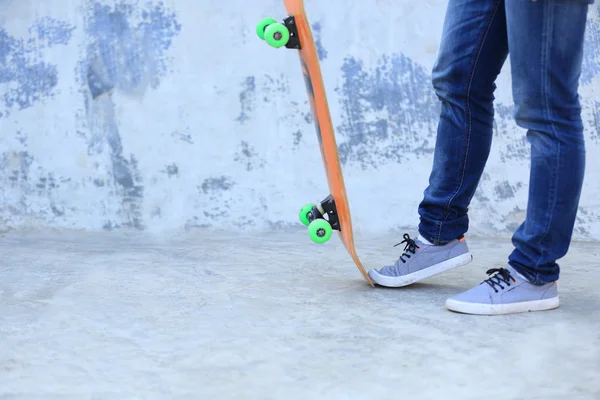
(420,261)
(505,292)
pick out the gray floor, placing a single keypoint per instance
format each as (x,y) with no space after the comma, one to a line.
(216,316)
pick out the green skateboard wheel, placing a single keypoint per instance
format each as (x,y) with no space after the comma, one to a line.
(304,214)
(277,35)
(262,25)
(320,231)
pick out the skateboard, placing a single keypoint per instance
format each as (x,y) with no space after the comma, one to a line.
(333,213)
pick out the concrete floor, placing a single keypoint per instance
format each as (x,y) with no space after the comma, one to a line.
(215,316)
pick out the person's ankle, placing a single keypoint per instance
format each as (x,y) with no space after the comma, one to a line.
(424,241)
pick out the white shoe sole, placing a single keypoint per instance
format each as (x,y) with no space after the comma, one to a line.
(399,281)
(501,309)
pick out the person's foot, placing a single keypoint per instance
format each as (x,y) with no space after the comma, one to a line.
(505,292)
(421,260)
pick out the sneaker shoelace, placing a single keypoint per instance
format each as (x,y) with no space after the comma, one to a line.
(502,275)
(410,248)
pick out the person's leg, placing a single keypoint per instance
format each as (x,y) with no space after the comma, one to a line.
(547,105)
(546,46)
(473,49)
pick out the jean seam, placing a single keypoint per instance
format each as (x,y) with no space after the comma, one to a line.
(547,43)
(467,121)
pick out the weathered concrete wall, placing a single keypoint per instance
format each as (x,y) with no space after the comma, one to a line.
(165,115)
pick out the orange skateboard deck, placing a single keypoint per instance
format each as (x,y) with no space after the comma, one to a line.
(333,213)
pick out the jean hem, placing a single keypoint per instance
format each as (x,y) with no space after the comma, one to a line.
(534,278)
(435,240)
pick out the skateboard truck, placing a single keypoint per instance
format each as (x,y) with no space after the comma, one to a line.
(278,34)
(320,228)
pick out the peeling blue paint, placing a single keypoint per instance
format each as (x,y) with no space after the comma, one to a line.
(216,190)
(125,173)
(517,148)
(20,175)
(50,31)
(385,111)
(184,137)
(98,182)
(591,50)
(321,52)
(388,112)
(31,79)
(216,184)
(273,86)
(585,217)
(126,52)
(297,138)
(504,190)
(595,123)
(171,170)
(248,156)
(247,98)
(126,55)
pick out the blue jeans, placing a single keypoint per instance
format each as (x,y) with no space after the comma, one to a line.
(545,38)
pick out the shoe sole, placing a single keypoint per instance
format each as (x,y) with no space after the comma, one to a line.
(502,309)
(399,281)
